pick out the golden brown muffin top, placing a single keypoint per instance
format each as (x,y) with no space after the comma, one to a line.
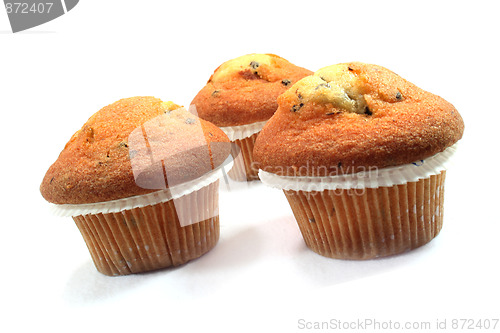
(351,117)
(134,146)
(244,90)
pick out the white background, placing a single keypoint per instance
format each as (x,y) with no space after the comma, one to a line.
(260,277)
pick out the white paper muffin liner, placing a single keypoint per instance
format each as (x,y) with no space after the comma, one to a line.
(114,206)
(372,178)
(153,237)
(244,131)
(244,167)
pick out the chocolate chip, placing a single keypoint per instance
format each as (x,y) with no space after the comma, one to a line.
(399,96)
(350,68)
(296,107)
(254,64)
(368,111)
(285,82)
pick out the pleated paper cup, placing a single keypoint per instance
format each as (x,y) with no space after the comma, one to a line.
(242,142)
(152,231)
(371,214)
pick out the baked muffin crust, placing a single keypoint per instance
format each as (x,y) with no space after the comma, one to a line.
(351,117)
(99,161)
(244,90)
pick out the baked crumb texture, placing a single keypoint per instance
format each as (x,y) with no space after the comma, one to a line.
(352,116)
(244,90)
(134,146)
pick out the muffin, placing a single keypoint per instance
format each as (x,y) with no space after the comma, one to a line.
(240,97)
(361,155)
(140,180)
